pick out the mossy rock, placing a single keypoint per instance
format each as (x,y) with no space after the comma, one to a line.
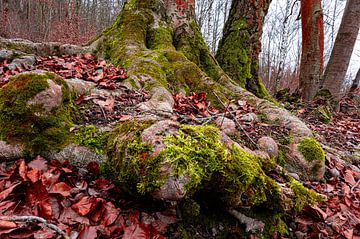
(35,112)
(307,159)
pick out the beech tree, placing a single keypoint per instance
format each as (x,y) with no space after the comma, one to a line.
(312,57)
(334,77)
(161,46)
(239,49)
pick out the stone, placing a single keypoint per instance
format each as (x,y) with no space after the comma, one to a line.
(269,145)
(250,117)
(77,155)
(307,170)
(10,152)
(27,60)
(35,112)
(49,98)
(80,87)
(227,125)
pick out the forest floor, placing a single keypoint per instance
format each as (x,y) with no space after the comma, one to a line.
(82,203)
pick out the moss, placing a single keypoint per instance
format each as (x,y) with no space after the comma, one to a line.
(130,160)
(160,38)
(325,114)
(304,196)
(91,137)
(190,208)
(234,56)
(311,149)
(196,151)
(30,125)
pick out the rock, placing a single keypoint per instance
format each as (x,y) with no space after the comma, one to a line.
(35,112)
(48,99)
(250,117)
(8,54)
(334,172)
(269,145)
(161,102)
(77,155)
(28,60)
(227,125)
(79,86)
(307,159)
(294,175)
(10,152)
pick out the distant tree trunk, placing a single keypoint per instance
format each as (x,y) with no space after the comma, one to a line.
(355,83)
(312,57)
(336,69)
(239,49)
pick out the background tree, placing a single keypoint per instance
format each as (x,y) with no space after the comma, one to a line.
(239,49)
(334,77)
(312,57)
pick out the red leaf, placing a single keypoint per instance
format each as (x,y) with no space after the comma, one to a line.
(61,188)
(85,205)
(44,233)
(349,178)
(7,224)
(137,231)
(22,170)
(110,214)
(39,163)
(89,233)
(33,175)
(4,194)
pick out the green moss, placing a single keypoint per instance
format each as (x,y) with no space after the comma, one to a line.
(30,125)
(89,136)
(196,151)
(130,160)
(311,149)
(325,114)
(234,57)
(304,196)
(160,38)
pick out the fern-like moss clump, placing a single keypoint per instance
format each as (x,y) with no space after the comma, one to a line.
(311,149)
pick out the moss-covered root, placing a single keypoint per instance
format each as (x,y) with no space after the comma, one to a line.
(35,112)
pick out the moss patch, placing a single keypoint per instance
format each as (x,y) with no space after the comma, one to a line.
(311,149)
(304,196)
(30,125)
(91,137)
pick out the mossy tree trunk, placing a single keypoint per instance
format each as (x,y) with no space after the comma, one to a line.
(239,49)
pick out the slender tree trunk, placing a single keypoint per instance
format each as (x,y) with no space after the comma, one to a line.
(312,57)
(240,46)
(341,54)
(355,83)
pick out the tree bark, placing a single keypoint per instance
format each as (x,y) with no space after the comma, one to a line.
(312,58)
(239,49)
(355,83)
(336,69)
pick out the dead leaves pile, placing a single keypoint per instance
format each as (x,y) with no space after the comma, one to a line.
(339,216)
(80,204)
(82,66)
(193,106)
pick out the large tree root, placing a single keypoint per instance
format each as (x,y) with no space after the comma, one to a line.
(42,49)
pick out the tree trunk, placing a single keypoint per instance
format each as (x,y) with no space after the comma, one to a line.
(355,83)
(312,58)
(239,49)
(341,54)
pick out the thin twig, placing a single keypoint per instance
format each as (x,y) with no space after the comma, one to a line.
(236,121)
(353,188)
(35,219)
